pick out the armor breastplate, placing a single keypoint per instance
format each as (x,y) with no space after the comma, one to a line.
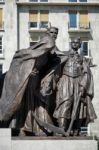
(72,68)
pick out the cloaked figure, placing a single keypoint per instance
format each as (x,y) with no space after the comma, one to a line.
(20,99)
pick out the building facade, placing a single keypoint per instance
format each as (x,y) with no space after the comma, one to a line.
(22,22)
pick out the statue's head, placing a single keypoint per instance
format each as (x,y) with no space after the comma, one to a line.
(53,32)
(76,44)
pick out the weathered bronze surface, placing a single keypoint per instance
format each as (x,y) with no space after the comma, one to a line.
(47,92)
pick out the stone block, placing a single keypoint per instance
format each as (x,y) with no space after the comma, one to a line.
(5,139)
(54,144)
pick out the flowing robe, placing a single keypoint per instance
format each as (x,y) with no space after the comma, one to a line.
(18,75)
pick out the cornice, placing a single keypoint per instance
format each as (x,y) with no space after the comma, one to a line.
(57,4)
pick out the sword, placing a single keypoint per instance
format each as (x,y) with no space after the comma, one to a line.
(49,126)
(73,115)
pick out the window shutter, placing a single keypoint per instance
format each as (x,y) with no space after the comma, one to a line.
(44,16)
(33,15)
(0,18)
(83,19)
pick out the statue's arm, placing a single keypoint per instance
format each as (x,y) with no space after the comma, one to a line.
(45,45)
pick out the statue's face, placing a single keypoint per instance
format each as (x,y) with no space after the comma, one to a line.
(75,44)
(53,33)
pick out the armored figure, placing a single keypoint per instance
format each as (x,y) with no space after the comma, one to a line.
(74,92)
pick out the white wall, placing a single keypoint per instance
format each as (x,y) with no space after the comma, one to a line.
(10,32)
(94,46)
(59,18)
(23,27)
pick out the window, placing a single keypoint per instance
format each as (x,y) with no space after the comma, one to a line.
(43,0)
(1,69)
(33,19)
(72,0)
(83,0)
(38,0)
(38,19)
(84,48)
(1,22)
(83,20)
(33,0)
(43,19)
(34,38)
(0,45)
(77,0)
(32,43)
(72,19)
(79,20)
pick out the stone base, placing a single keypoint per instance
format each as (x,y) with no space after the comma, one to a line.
(5,139)
(45,143)
(54,145)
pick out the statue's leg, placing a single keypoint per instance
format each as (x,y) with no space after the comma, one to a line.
(22,132)
(61,122)
(77,122)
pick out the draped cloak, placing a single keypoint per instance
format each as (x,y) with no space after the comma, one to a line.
(18,74)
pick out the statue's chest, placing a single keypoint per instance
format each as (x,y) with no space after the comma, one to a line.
(73,67)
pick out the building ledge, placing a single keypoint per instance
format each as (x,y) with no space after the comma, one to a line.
(2,2)
(2,30)
(37,30)
(57,4)
(79,30)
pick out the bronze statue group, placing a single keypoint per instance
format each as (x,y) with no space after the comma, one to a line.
(47,92)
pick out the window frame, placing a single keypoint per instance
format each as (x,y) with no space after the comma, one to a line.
(42,1)
(39,22)
(1,69)
(1,50)
(78,20)
(72,2)
(71,12)
(87,56)
(77,1)
(35,40)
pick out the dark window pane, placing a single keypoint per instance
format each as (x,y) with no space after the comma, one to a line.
(33,24)
(43,0)
(0,69)
(84,49)
(33,43)
(72,0)
(33,0)
(83,0)
(43,24)
(0,45)
(73,20)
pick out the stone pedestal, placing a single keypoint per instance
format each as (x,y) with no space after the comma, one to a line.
(45,143)
(55,145)
(5,139)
